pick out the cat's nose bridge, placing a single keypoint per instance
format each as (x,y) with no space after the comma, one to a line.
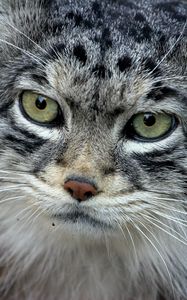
(91,161)
(86,164)
(83,160)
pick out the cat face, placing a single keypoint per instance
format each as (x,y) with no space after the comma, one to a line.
(86,103)
(93,160)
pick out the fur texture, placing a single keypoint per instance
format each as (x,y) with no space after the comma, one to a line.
(103,62)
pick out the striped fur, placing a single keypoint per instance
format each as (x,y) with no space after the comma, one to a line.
(103,62)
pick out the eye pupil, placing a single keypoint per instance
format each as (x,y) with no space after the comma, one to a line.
(149,119)
(41,103)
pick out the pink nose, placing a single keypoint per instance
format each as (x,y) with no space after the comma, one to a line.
(81,191)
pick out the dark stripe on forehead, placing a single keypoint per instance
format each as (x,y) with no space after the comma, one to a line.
(106,39)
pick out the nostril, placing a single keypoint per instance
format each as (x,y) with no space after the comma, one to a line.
(70,191)
(88,195)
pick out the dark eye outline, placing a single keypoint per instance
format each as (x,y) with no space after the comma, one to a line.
(57,122)
(131,133)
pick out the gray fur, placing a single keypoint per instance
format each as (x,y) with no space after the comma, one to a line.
(103,62)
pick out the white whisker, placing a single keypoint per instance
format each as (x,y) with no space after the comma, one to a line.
(12,188)
(28,38)
(11,199)
(131,238)
(24,210)
(32,56)
(169,199)
(170,50)
(156,249)
(171,218)
(174,78)
(8,178)
(167,232)
(107,244)
(33,214)
(13,172)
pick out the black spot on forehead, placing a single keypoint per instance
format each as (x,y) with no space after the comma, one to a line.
(147,32)
(180,18)
(77,19)
(74,16)
(140,34)
(96,7)
(162,40)
(124,63)
(139,17)
(99,70)
(80,53)
(151,67)
(88,24)
(133,32)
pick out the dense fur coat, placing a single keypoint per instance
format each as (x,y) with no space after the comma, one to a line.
(103,62)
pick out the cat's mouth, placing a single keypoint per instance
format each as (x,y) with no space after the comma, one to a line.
(78,216)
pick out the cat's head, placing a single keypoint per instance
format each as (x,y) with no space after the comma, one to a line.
(93,114)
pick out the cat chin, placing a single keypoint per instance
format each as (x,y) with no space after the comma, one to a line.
(77,242)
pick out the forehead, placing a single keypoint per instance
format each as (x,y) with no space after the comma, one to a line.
(136,18)
(109,50)
(105,54)
(85,88)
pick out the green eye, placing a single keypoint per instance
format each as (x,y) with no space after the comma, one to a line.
(149,126)
(39,108)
